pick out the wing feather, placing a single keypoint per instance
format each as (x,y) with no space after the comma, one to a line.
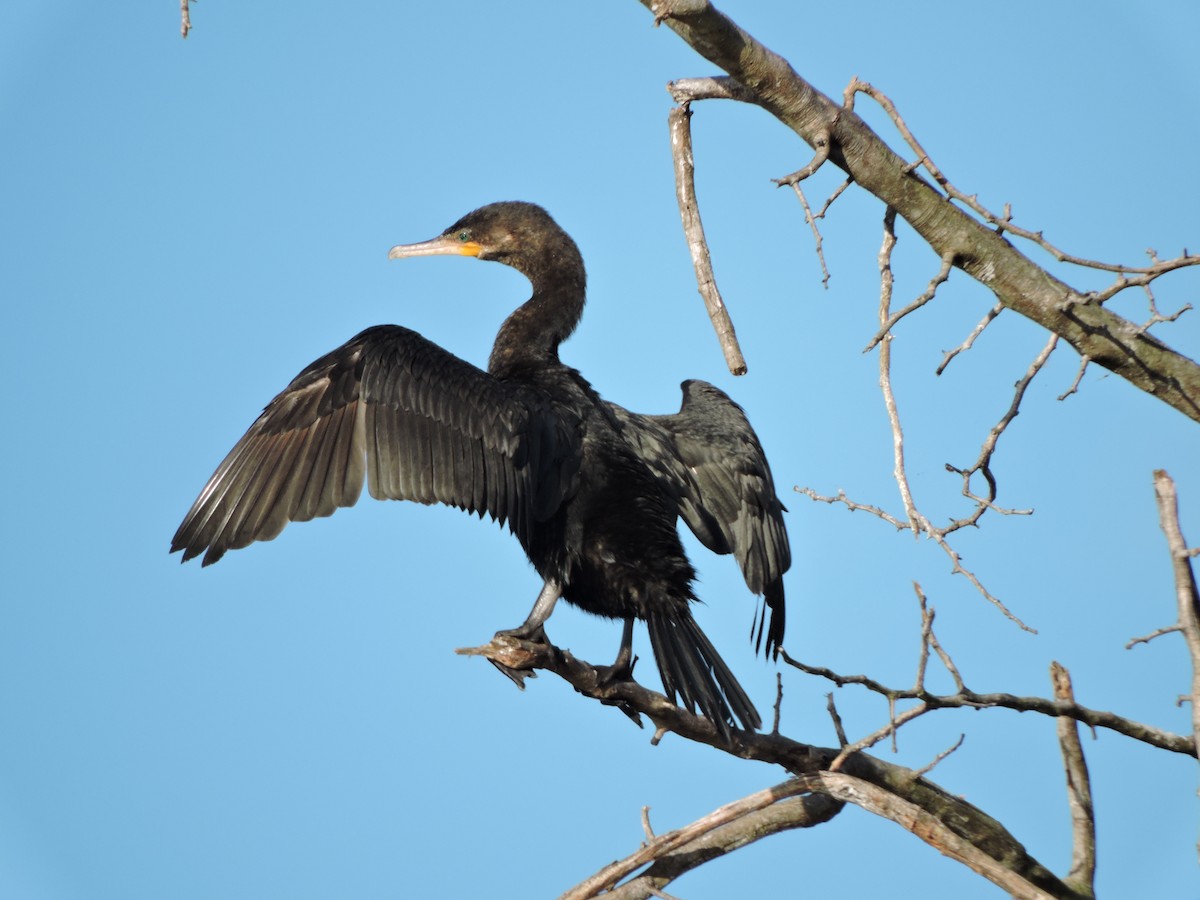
(710,461)
(400,413)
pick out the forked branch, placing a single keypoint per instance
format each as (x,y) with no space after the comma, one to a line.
(976,247)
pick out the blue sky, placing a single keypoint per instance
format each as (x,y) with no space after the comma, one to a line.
(188,224)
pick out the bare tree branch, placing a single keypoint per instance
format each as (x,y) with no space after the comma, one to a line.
(1079,318)
(1147,638)
(689,211)
(971,338)
(782,815)
(937,281)
(671,841)
(1074,388)
(812,224)
(929,829)
(966,698)
(1187,598)
(960,825)
(821,146)
(1082,876)
(885,371)
(797,812)
(983,464)
(1003,223)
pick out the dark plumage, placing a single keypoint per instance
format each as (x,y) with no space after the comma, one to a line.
(591,490)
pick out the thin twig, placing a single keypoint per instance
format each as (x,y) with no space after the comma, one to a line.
(983,462)
(970,341)
(689,212)
(1155,315)
(838,728)
(1147,638)
(836,193)
(820,154)
(1074,388)
(1004,222)
(885,370)
(934,283)
(927,616)
(932,764)
(947,662)
(888,730)
(185,19)
(969,699)
(851,505)
(778,702)
(812,224)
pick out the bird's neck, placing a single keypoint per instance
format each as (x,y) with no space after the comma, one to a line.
(531,335)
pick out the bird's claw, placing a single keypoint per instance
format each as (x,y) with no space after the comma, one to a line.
(536,634)
(516,676)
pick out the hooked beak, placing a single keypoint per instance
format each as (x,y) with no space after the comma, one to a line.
(442,245)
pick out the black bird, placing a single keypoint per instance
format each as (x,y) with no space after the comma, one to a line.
(591,490)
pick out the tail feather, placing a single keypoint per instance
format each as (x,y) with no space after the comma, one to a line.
(772,600)
(692,669)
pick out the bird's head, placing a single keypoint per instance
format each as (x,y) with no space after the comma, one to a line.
(520,235)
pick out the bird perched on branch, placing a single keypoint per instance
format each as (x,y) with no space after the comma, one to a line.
(591,490)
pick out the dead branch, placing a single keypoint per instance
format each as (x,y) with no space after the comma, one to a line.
(837,192)
(970,340)
(1147,638)
(936,761)
(983,464)
(1003,223)
(885,373)
(931,830)
(851,505)
(917,522)
(794,812)
(821,146)
(685,90)
(1155,315)
(1019,284)
(1082,876)
(674,842)
(1186,596)
(969,699)
(812,224)
(1074,388)
(968,825)
(934,283)
(689,211)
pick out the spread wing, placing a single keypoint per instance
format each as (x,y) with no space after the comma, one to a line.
(708,457)
(415,421)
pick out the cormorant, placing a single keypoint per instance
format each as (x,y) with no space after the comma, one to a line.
(591,490)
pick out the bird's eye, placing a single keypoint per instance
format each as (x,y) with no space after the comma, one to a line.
(464,235)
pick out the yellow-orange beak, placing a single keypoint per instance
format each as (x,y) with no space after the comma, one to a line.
(442,245)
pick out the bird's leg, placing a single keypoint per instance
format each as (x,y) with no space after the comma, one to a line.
(622,667)
(531,630)
(622,670)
